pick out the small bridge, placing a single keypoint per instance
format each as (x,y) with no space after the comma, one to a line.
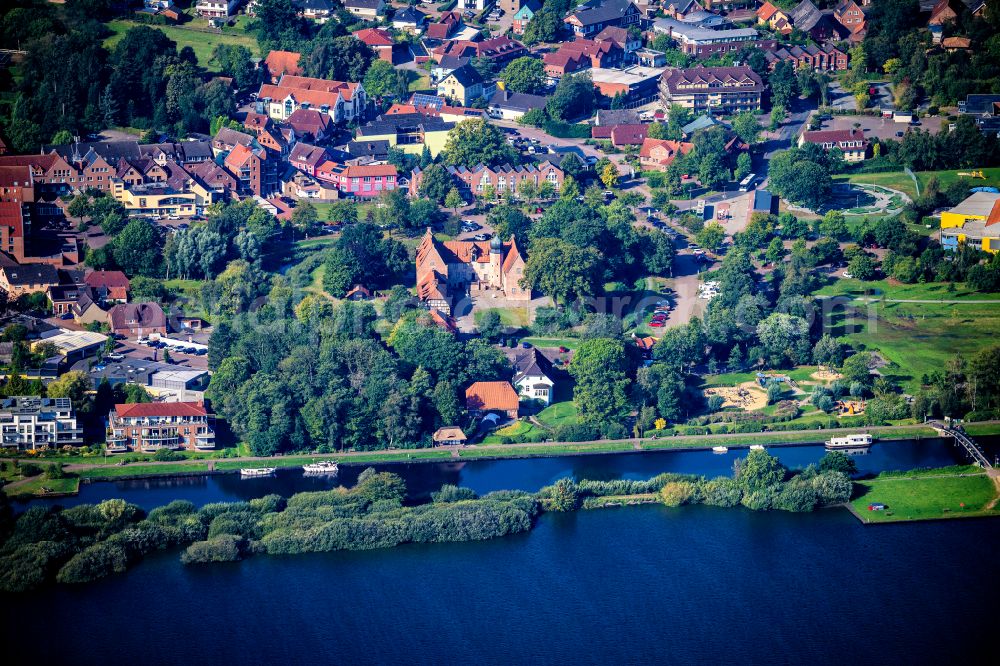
(963,440)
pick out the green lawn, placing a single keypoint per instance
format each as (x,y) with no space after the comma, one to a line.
(552,343)
(511,317)
(518,429)
(113,471)
(418,81)
(70,485)
(542,450)
(203,43)
(919,338)
(926,496)
(935,291)
(560,413)
(899,180)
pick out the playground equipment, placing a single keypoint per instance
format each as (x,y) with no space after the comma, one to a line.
(972,174)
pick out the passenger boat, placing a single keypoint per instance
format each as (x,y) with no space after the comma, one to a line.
(720,449)
(257,471)
(321,467)
(850,442)
(756,447)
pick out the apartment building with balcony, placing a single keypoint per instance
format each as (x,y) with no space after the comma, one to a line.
(153,426)
(30,422)
(713,90)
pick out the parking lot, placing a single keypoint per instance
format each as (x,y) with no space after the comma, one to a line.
(882,128)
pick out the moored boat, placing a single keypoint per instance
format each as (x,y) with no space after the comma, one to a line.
(859,441)
(756,447)
(321,467)
(720,449)
(257,471)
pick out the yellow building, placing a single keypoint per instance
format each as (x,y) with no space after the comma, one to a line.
(976,220)
(409,132)
(160,198)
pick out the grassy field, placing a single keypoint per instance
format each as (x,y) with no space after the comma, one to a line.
(203,43)
(892,290)
(513,317)
(543,450)
(418,81)
(919,338)
(113,471)
(899,180)
(552,343)
(522,428)
(934,494)
(69,485)
(560,413)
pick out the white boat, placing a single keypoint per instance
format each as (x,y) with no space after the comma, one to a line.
(850,442)
(756,447)
(257,471)
(321,467)
(720,449)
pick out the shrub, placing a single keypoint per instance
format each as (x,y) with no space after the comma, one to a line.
(102,559)
(31,565)
(268,504)
(55,471)
(576,432)
(795,496)
(225,548)
(832,487)
(676,493)
(759,500)
(29,469)
(721,492)
(838,461)
(563,495)
(452,493)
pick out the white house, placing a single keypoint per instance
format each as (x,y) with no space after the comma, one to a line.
(217,8)
(532,375)
(366,9)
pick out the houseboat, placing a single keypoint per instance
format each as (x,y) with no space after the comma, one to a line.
(321,467)
(250,472)
(861,441)
(720,449)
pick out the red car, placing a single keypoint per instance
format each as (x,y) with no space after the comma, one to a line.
(656,324)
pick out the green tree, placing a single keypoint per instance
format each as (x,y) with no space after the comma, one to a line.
(573,98)
(73,385)
(834,225)
(562,270)
(380,79)
(454,199)
(476,141)
(747,127)
(524,75)
(137,249)
(744,166)
(609,175)
(305,218)
(759,471)
(863,267)
(838,461)
(711,236)
(490,326)
(600,370)
(435,183)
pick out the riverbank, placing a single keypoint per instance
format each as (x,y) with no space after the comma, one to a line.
(952,492)
(111,471)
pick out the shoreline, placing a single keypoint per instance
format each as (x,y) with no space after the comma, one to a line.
(90,473)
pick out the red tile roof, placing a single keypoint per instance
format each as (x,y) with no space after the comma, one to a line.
(148,409)
(283,62)
(491,396)
(108,279)
(374,37)
(628,135)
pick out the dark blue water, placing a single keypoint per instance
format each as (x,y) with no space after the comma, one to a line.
(640,585)
(488,475)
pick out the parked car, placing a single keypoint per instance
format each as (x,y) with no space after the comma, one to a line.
(656,324)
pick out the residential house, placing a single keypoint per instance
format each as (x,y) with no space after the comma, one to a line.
(946,11)
(366,152)
(462,86)
(851,142)
(214,179)
(718,90)
(658,154)
(446,65)
(681,8)
(622,38)
(29,423)
(216,8)
(821,26)
(361,181)
(151,426)
(851,15)
(506,178)
(596,15)
(255,171)
(445,27)
(612,117)
(498,50)
(409,20)
(20,279)
(582,54)
(825,57)
(775,18)
(342,100)
(279,63)
(953,44)
(366,9)
(380,41)
(533,375)
(108,286)
(227,138)
(707,43)
(621,135)
(512,6)
(310,124)
(137,320)
(307,158)
(498,397)
(524,14)
(409,132)
(450,270)
(511,106)
(319,11)
(974,222)
(431,105)
(449,436)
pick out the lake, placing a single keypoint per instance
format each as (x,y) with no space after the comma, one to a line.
(636,585)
